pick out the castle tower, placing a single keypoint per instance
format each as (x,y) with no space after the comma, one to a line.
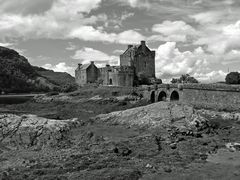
(141,58)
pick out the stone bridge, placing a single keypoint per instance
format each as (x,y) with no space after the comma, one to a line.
(163,93)
(221,96)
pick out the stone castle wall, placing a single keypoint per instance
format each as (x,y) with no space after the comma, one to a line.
(117,76)
(145,65)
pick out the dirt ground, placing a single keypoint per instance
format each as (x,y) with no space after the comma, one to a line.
(101,151)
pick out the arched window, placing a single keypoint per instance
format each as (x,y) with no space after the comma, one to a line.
(110,81)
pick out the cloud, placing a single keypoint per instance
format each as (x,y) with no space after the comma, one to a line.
(213,76)
(173,27)
(177,31)
(25,6)
(170,62)
(54,23)
(60,67)
(221,39)
(118,51)
(71,46)
(67,20)
(88,33)
(208,17)
(136,3)
(100,58)
(6,44)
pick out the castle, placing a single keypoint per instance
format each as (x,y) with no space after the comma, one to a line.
(136,62)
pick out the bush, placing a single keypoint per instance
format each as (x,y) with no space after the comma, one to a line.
(69,88)
(233,78)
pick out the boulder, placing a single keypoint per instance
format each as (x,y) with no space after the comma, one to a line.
(157,114)
(30,130)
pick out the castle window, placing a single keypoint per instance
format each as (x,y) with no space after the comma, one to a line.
(145,64)
(110,81)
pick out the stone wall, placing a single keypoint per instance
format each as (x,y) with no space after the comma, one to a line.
(117,75)
(210,96)
(81,77)
(92,74)
(213,99)
(125,59)
(145,65)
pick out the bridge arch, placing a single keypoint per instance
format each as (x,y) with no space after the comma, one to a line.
(162,96)
(174,96)
(152,97)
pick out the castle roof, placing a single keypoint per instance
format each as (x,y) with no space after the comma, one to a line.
(84,66)
(137,49)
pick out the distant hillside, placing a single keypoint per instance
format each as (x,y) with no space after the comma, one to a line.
(17,75)
(57,78)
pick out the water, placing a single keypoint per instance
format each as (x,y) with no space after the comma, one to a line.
(15,99)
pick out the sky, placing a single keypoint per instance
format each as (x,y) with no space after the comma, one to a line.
(196,37)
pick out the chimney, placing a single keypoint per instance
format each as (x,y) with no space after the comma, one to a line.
(143,43)
(79,65)
(129,46)
(107,65)
(92,62)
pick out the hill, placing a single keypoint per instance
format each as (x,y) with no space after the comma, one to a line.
(17,75)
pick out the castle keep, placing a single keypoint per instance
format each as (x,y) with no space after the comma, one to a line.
(136,62)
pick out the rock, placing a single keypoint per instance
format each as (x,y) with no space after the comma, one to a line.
(233,146)
(173,145)
(5,176)
(95,98)
(167,169)
(149,166)
(89,134)
(150,116)
(30,130)
(122,150)
(236,173)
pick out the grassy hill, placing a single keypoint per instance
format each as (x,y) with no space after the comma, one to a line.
(17,75)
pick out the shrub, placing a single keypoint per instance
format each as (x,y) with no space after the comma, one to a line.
(69,88)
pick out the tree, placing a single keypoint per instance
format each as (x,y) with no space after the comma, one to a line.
(185,78)
(233,78)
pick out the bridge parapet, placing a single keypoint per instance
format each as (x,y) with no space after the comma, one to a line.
(224,97)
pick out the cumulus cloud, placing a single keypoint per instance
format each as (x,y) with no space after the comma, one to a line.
(170,62)
(87,54)
(64,20)
(221,40)
(213,76)
(60,67)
